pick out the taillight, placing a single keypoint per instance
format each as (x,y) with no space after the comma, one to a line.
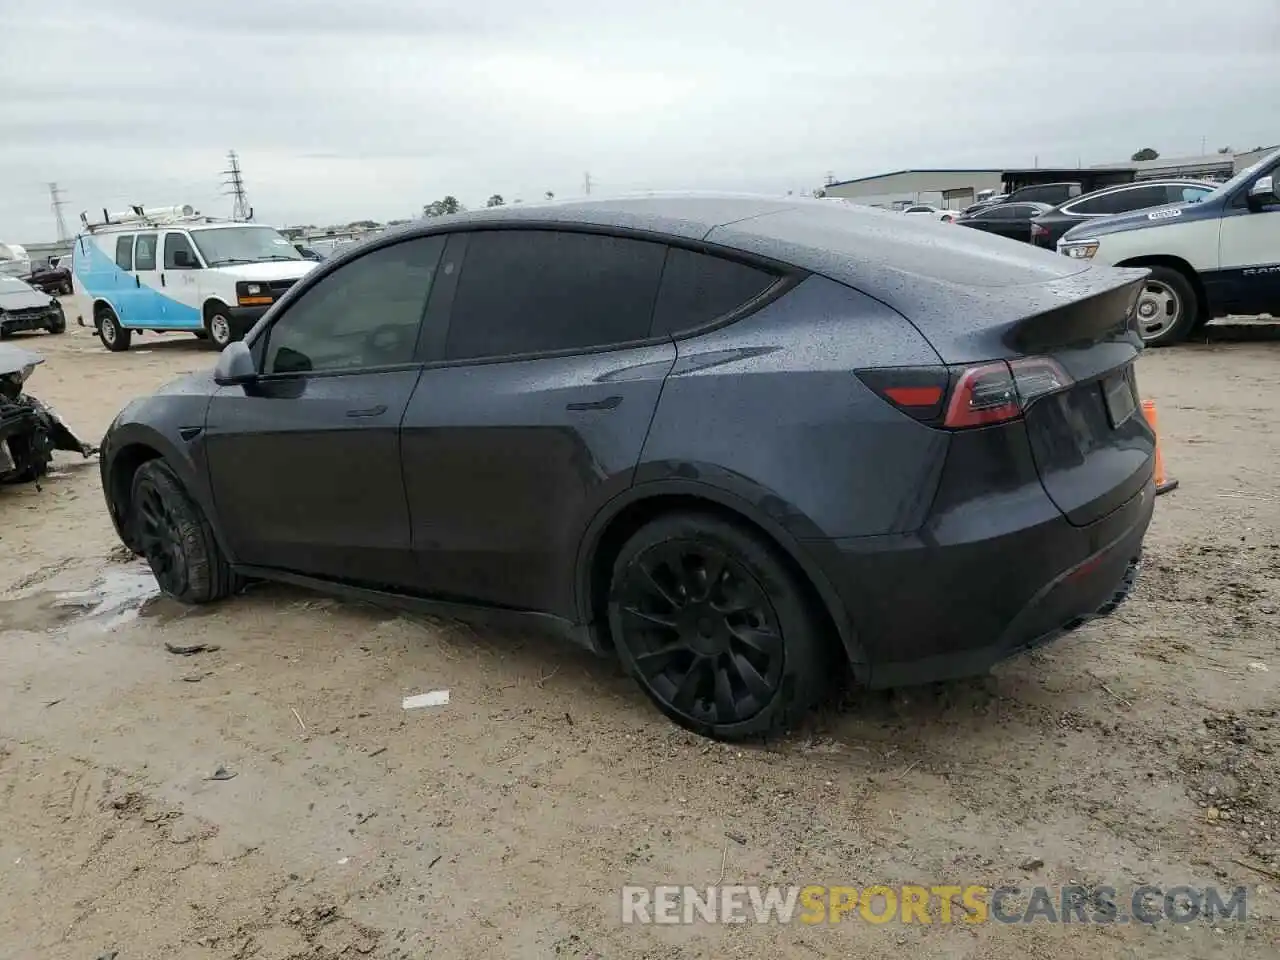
(1038,231)
(970,396)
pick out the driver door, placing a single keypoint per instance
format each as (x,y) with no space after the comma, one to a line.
(305,462)
(1249,251)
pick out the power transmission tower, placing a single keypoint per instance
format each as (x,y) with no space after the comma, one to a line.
(234,182)
(56,203)
(586,182)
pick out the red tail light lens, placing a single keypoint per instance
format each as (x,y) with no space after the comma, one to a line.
(1038,231)
(978,395)
(983,395)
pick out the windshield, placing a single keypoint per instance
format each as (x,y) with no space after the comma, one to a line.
(1246,174)
(242,245)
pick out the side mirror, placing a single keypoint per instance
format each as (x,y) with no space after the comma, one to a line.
(235,365)
(1262,192)
(183,260)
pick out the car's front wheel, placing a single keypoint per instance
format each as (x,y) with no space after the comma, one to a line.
(218,325)
(1167,307)
(172,533)
(715,628)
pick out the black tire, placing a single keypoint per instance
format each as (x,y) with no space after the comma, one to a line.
(59,324)
(172,533)
(682,638)
(217,324)
(66,289)
(1168,308)
(113,336)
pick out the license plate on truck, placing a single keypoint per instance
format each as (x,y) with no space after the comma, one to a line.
(1117,391)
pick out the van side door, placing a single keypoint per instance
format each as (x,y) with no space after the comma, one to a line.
(179,281)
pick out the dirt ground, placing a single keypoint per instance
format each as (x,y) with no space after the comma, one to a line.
(1141,749)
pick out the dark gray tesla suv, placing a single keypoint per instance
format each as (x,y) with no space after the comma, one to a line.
(732,441)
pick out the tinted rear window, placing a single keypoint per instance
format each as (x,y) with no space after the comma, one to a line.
(698,288)
(537,291)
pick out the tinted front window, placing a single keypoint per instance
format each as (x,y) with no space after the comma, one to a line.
(698,289)
(535,291)
(124,252)
(144,252)
(364,314)
(173,244)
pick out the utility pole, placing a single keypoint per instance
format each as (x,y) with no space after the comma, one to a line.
(56,203)
(234,182)
(586,182)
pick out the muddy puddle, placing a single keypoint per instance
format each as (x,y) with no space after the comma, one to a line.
(119,595)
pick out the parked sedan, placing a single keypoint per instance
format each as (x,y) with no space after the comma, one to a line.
(1048,228)
(931,212)
(1012,220)
(645,423)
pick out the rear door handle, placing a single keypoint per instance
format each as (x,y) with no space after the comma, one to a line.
(608,403)
(137,280)
(162,283)
(377,411)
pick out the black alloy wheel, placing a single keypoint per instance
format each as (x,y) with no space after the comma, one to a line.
(714,629)
(159,538)
(172,534)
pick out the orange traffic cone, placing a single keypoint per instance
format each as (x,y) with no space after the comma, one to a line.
(1163,483)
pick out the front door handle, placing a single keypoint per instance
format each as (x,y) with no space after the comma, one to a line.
(162,283)
(608,403)
(377,411)
(137,280)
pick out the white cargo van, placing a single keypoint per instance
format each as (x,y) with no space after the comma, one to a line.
(170,269)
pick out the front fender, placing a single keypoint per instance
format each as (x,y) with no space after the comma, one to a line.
(168,426)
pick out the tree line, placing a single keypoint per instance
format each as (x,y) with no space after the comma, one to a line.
(449,204)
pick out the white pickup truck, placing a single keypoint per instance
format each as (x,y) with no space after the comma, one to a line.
(1217,256)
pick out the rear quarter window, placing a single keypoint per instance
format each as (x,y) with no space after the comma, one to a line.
(698,289)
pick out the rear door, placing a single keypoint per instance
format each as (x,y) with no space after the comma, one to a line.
(305,463)
(546,374)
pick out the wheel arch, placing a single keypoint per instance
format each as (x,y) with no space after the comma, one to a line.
(130,446)
(1183,267)
(210,304)
(628,512)
(96,306)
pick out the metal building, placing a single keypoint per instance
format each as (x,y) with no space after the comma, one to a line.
(954,189)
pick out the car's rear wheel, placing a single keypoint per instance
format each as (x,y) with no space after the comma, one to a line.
(1167,308)
(113,336)
(716,629)
(172,533)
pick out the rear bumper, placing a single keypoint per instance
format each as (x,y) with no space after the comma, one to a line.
(954,600)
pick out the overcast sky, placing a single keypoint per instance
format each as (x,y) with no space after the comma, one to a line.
(346,110)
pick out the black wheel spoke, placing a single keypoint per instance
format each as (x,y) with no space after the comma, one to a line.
(709,574)
(756,685)
(687,690)
(655,585)
(657,619)
(726,706)
(762,640)
(654,661)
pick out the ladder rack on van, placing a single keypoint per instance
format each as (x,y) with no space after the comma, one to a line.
(139,216)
